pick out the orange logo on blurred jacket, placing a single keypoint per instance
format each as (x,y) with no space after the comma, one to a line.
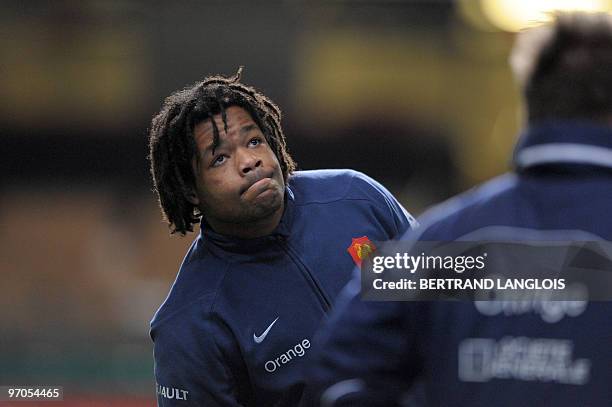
(361,248)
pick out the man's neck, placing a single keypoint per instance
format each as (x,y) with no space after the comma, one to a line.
(249,230)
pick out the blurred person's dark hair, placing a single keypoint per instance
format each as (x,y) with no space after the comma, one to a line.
(172,147)
(565,68)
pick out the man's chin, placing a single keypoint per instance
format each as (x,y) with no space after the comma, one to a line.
(267,203)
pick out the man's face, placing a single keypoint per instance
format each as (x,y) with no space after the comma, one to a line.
(240,184)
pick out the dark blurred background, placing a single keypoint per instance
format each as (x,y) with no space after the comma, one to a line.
(416,94)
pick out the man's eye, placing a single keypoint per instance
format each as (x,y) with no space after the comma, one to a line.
(254,141)
(220,159)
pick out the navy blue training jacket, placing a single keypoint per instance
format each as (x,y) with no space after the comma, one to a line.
(237,326)
(513,353)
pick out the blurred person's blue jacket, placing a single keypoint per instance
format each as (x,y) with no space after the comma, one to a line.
(237,326)
(515,355)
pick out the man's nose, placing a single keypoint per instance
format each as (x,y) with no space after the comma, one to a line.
(248,162)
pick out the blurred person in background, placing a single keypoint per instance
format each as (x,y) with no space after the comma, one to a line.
(503,353)
(275,247)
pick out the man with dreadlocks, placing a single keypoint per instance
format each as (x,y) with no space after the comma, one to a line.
(274,249)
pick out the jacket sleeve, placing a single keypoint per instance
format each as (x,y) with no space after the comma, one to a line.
(191,368)
(367,355)
(391,213)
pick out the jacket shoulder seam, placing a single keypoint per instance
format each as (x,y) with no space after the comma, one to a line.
(340,198)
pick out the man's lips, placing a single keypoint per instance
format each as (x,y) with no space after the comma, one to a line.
(258,188)
(258,182)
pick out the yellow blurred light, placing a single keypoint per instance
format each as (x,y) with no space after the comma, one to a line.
(514,15)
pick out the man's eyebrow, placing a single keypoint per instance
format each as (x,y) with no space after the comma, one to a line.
(243,131)
(211,147)
(248,128)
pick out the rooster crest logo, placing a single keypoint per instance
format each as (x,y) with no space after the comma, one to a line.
(360,249)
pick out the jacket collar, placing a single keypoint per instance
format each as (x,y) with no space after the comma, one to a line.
(251,246)
(566,143)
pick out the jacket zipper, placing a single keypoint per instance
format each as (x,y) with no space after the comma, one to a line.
(325,302)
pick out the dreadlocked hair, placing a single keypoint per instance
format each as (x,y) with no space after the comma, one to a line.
(172,146)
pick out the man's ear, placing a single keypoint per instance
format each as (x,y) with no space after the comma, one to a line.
(192,197)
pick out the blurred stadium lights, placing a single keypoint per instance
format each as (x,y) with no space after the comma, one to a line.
(514,15)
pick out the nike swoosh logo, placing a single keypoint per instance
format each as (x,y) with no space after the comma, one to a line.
(260,338)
